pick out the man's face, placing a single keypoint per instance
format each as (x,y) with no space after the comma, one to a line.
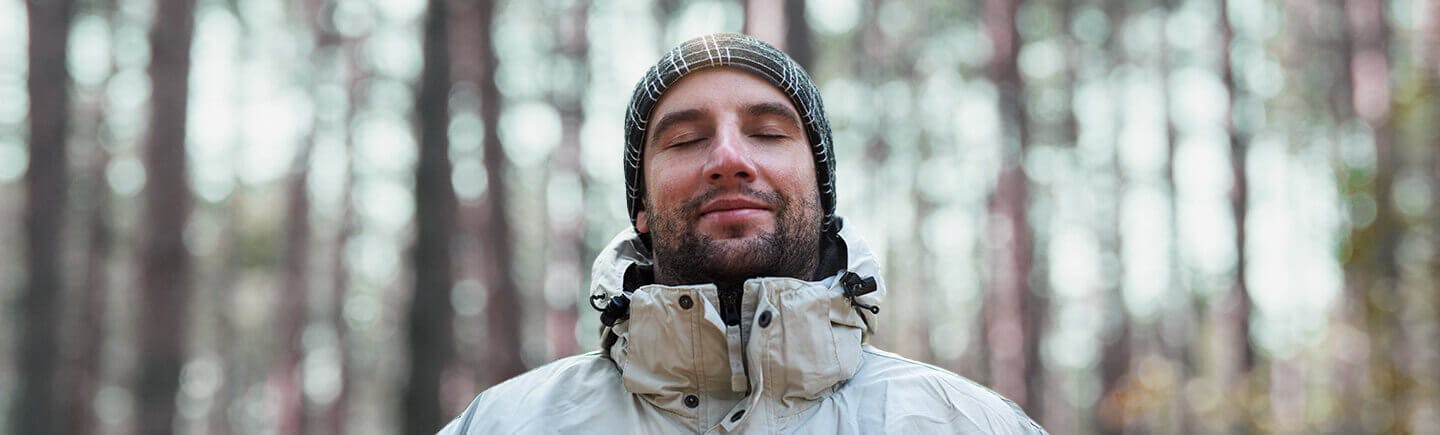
(730,182)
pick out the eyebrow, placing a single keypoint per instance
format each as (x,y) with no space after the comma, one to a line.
(774,109)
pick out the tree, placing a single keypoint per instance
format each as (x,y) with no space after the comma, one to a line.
(334,416)
(45,197)
(1236,306)
(502,307)
(567,234)
(292,305)
(165,271)
(87,312)
(1373,272)
(431,332)
(1011,333)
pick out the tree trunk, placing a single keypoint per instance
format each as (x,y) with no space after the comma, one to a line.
(1238,308)
(567,225)
(502,307)
(38,349)
(1181,315)
(1115,353)
(334,417)
(1012,333)
(1428,45)
(1374,246)
(431,334)
(1235,308)
(165,275)
(765,20)
(87,315)
(292,305)
(798,41)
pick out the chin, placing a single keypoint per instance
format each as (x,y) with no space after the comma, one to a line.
(741,233)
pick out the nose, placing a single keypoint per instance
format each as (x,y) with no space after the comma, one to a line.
(729,160)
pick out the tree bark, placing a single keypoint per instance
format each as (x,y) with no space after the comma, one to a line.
(566,274)
(1011,311)
(798,41)
(1238,304)
(1374,246)
(431,333)
(165,275)
(292,305)
(38,350)
(1428,57)
(502,307)
(87,314)
(334,416)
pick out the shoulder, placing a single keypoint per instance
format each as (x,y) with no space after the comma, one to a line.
(919,395)
(532,397)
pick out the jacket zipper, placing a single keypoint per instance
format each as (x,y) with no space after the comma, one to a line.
(730,305)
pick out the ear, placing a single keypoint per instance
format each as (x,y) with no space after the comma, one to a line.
(642,223)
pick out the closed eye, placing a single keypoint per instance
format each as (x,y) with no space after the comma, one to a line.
(686,142)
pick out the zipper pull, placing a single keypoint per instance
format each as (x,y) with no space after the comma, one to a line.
(730,306)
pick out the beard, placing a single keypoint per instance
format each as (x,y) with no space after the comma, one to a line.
(684,256)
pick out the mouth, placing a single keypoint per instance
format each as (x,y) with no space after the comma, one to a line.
(732,208)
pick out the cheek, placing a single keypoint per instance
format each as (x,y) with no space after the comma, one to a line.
(796,172)
(663,182)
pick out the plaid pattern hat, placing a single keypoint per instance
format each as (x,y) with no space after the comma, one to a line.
(747,54)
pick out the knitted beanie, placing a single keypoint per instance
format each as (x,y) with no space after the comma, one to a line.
(746,54)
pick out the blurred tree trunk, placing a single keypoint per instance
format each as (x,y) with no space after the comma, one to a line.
(781,24)
(38,353)
(333,417)
(87,314)
(502,307)
(1373,272)
(765,20)
(1012,332)
(566,274)
(1116,353)
(292,305)
(1235,307)
(1427,57)
(1179,329)
(798,41)
(431,334)
(88,336)
(165,274)
(1350,373)
(222,309)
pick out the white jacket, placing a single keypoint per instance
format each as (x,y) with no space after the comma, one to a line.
(796,363)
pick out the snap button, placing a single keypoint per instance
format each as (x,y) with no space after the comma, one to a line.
(691,401)
(686,303)
(765,319)
(736,417)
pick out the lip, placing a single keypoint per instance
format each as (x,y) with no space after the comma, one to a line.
(731,204)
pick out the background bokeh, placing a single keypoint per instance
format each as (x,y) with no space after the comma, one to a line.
(351,216)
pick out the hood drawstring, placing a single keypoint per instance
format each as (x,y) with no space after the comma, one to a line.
(614,311)
(618,308)
(855,286)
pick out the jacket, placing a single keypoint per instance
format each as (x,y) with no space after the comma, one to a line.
(797,362)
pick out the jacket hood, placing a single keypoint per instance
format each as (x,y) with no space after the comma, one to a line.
(607,274)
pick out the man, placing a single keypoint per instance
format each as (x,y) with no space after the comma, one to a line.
(739,302)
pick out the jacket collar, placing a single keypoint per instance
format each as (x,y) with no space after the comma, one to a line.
(796,341)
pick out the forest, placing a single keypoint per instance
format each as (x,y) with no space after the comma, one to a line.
(352,216)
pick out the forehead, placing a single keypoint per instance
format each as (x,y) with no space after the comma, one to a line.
(719,89)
